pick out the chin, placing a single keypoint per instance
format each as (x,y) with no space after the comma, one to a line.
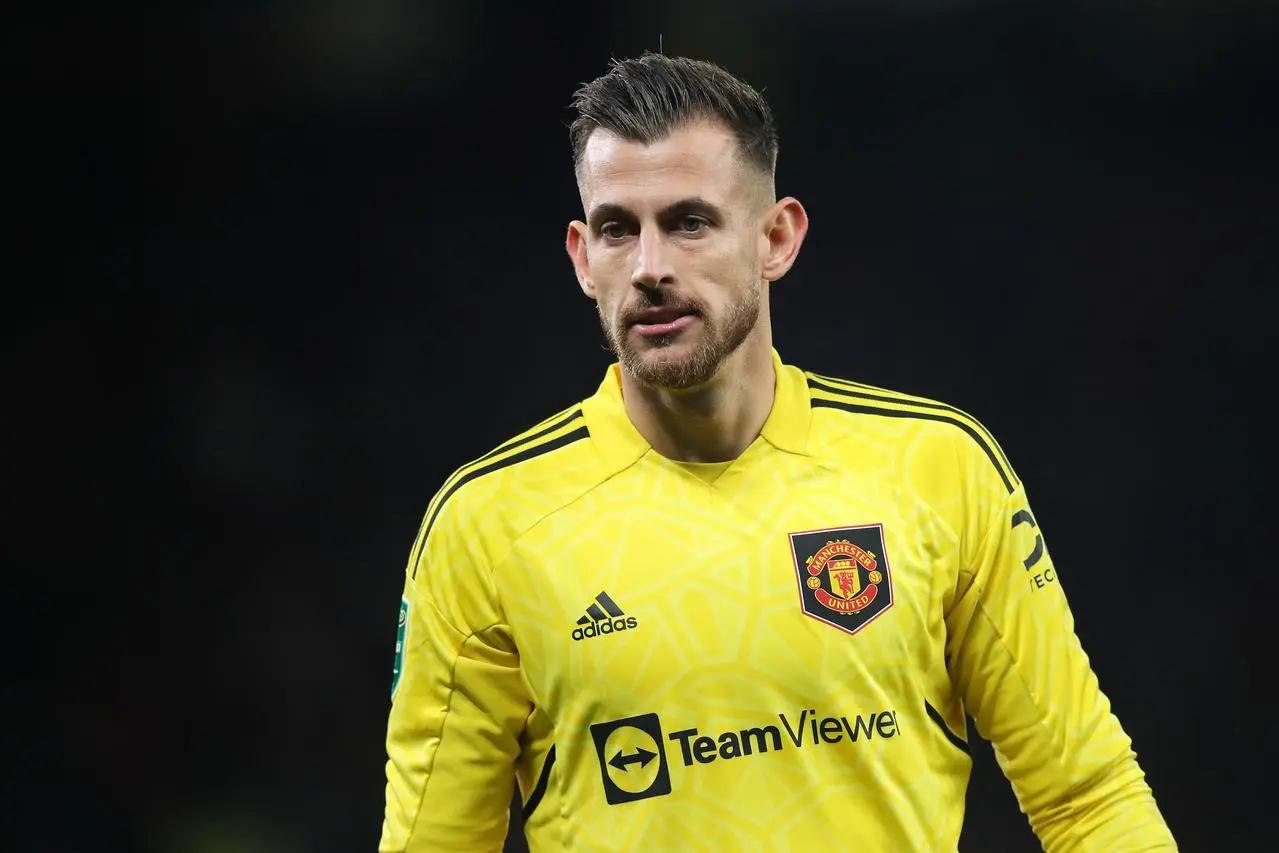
(672,366)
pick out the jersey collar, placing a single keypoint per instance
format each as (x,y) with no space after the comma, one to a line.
(612,431)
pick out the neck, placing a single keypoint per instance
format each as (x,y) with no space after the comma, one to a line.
(714,422)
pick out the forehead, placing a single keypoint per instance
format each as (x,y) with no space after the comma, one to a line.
(700,159)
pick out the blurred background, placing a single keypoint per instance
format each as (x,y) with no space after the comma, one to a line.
(277,268)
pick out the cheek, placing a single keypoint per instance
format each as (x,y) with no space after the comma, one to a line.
(608,274)
(608,299)
(733,270)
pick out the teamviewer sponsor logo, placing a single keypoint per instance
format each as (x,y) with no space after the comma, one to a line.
(603,617)
(806,730)
(632,751)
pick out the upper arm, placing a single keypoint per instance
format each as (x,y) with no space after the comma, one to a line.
(1018,664)
(459,704)
(1023,675)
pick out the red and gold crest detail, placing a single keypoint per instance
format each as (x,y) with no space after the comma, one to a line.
(844,564)
(845,580)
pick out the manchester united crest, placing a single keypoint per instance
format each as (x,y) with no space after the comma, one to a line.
(844,579)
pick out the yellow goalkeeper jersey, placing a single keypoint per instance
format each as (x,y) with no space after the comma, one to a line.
(776,653)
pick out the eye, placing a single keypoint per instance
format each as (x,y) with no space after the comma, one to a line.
(692,223)
(612,230)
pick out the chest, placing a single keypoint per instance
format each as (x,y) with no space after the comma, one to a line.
(771,586)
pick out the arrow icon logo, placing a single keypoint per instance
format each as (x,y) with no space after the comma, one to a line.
(641,756)
(630,741)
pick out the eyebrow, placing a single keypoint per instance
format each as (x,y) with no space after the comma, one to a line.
(694,204)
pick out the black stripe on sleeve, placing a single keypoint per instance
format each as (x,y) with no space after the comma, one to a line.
(936,717)
(539,790)
(529,452)
(837,386)
(847,405)
(558,421)
(521,442)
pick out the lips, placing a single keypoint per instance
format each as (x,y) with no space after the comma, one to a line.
(662,322)
(659,316)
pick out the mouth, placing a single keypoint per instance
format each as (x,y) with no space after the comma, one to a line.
(654,322)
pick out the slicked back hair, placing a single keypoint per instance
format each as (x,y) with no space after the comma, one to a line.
(647,98)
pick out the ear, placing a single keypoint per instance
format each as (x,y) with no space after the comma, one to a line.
(575,244)
(785,227)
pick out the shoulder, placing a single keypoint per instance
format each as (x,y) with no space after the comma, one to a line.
(848,414)
(495,497)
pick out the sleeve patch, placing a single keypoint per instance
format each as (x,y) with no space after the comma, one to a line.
(401,635)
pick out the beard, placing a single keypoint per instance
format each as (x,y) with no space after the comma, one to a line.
(661,362)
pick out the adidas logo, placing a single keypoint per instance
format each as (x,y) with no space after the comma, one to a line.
(603,617)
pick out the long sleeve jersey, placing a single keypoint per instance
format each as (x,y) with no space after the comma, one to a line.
(774,653)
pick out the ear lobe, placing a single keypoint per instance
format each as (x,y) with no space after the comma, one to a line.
(575,245)
(786,229)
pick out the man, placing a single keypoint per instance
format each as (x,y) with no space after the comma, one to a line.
(725,604)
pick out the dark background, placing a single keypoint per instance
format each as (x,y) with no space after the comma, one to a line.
(277,268)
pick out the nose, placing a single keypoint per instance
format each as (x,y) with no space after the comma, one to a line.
(653,261)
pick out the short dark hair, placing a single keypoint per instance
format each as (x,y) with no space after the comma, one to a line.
(646,98)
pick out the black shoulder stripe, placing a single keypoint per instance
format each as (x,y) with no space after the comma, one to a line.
(551,426)
(936,717)
(543,779)
(837,386)
(553,423)
(858,408)
(530,450)
(843,383)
